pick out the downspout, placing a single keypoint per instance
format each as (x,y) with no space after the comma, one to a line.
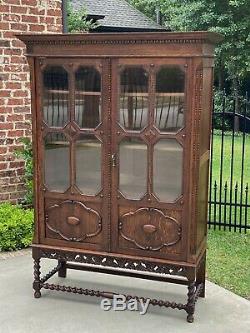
(64,16)
(158,15)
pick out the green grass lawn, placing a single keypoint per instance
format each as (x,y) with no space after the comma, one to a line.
(228,258)
(228,161)
(236,163)
(228,261)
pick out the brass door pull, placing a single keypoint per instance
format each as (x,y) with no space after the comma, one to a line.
(113,158)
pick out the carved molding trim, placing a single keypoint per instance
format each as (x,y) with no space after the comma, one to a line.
(116,262)
(108,101)
(67,42)
(196,141)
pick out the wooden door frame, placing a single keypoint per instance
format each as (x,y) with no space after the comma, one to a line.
(184,137)
(102,134)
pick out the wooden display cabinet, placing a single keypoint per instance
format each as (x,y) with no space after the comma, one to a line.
(121,137)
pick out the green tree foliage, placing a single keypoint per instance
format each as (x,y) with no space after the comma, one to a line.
(77,20)
(148,7)
(231,18)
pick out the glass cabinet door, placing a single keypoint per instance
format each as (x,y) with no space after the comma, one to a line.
(167,170)
(74,153)
(72,145)
(169,119)
(149,119)
(169,99)
(133,103)
(133,168)
(57,162)
(133,118)
(88,152)
(88,117)
(87,97)
(55,96)
(148,159)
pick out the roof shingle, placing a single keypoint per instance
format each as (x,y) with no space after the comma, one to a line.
(119,14)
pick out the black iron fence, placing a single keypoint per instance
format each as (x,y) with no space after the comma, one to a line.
(229,202)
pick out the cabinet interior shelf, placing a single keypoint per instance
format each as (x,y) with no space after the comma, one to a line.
(140,94)
(66,92)
(133,94)
(97,145)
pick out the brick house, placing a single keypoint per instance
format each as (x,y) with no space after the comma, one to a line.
(40,16)
(18,16)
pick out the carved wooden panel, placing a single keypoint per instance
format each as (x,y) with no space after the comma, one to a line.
(110,260)
(73,221)
(149,229)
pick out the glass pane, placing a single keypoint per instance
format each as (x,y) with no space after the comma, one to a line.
(87,97)
(170,93)
(88,164)
(133,113)
(55,96)
(133,168)
(57,161)
(168,159)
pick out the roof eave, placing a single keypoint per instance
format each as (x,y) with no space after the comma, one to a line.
(127,29)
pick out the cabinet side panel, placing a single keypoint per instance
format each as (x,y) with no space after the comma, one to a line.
(195,90)
(202,203)
(204,139)
(31,62)
(205,124)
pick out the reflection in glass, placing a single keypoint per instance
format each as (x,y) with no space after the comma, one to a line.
(57,161)
(88,164)
(167,179)
(87,97)
(133,98)
(133,168)
(55,96)
(169,109)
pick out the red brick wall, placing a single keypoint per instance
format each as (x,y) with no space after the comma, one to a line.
(34,16)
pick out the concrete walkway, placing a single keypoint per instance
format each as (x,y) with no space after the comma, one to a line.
(221,311)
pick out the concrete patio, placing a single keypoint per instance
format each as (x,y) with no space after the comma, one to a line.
(221,311)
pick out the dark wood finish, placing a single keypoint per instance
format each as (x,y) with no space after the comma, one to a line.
(62,272)
(133,228)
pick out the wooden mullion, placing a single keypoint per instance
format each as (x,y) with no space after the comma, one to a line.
(151,105)
(71,112)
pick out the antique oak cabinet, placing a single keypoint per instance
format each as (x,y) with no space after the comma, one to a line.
(121,137)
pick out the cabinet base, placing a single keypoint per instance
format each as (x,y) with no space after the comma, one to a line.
(192,276)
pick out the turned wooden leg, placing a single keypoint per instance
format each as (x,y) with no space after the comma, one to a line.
(63,269)
(201,276)
(191,301)
(37,273)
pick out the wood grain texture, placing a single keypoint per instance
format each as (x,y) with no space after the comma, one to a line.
(110,228)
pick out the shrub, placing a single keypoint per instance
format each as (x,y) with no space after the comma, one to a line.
(27,155)
(16,227)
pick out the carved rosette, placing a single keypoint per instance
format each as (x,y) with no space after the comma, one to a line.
(150,229)
(73,221)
